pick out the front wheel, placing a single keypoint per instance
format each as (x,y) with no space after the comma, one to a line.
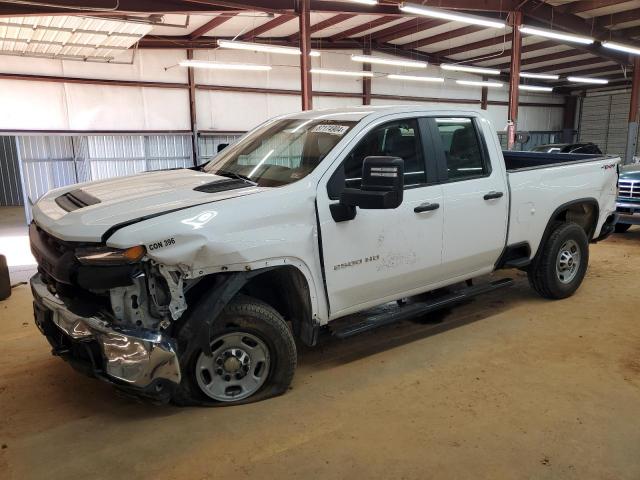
(253,358)
(561,264)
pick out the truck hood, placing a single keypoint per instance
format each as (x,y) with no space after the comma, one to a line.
(85,212)
(630,172)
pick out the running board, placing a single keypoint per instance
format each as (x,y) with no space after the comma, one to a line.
(414,309)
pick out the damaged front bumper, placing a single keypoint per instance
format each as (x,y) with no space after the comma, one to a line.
(141,361)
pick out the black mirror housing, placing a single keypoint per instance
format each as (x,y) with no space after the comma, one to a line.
(382,185)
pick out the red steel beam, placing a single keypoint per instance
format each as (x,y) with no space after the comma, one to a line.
(544,58)
(514,79)
(441,37)
(610,20)
(489,42)
(507,53)
(405,28)
(634,108)
(306,88)
(270,25)
(587,5)
(366,81)
(565,66)
(329,22)
(362,28)
(210,25)
(192,109)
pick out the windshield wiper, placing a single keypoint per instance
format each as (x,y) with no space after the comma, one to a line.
(226,173)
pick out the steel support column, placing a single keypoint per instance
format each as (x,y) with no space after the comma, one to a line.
(484,99)
(304,16)
(366,81)
(514,80)
(634,115)
(569,118)
(192,109)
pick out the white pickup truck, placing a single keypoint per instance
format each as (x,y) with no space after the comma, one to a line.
(193,285)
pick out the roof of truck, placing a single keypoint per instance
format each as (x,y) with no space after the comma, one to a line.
(357,113)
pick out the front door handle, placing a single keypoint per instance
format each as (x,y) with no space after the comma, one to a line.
(426,207)
(493,195)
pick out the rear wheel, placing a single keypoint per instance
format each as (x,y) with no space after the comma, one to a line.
(561,264)
(622,227)
(253,358)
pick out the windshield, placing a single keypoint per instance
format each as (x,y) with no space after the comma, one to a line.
(281,152)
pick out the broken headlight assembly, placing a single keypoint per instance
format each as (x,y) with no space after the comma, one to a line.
(110,256)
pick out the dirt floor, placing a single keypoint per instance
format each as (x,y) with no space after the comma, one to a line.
(511,386)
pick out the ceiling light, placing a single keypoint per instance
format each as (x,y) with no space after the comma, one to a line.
(365,2)
(465,68)
(557,35)
(535,88)
(474,83)
(598,81)
(414,78)
(541,76)
(224,66)
(345,73)
(262,47)
(453,16)
(388,61)
(622,48)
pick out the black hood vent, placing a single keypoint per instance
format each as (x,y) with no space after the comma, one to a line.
(223,185)
(75,200)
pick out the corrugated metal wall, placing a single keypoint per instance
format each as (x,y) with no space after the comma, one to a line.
(208,144)
(604,121)
(10,183)
(52,161)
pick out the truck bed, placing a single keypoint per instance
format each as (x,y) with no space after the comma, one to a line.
(515,161)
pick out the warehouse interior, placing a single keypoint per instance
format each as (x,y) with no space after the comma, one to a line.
(507,385)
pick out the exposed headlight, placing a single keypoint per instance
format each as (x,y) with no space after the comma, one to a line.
(110,256)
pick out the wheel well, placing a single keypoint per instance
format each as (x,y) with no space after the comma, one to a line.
(286,289)
(583,212)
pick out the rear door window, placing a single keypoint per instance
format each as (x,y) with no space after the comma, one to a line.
(462,149)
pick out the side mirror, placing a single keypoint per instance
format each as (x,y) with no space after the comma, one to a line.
(221,146)
(382,187)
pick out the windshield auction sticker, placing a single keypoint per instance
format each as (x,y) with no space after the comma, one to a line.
(330,129)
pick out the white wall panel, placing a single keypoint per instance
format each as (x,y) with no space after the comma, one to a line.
(41,105)
(32,106)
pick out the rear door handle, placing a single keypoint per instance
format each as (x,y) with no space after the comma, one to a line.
(426,207)
(493,195)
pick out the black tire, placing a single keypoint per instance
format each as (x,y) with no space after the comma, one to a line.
(251,316)
(622,227)
(542,273)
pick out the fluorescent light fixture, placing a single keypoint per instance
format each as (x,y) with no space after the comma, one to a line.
(224,66)
(474,83)
(541,76)
(365,2)
(344,73)
(449,15)
(568,37)
(415,78)
(597,81)
(261,47)
(622,48)
(465,68)
(388,61)
(535,88)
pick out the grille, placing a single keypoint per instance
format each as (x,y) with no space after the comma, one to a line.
(629,189)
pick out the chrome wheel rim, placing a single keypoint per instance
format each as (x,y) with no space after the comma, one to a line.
(238,367)
(568,261)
